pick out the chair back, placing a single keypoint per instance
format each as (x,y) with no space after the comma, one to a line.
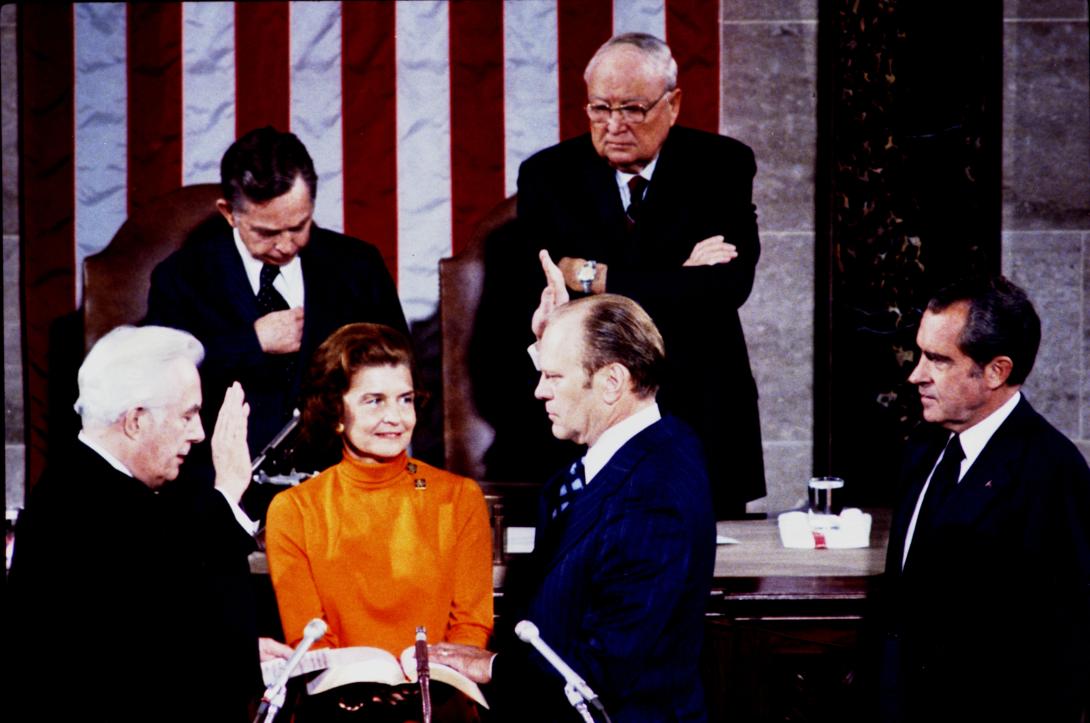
(466,435)
(116,280)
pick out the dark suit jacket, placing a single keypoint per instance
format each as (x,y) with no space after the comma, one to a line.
(619,588)
(990,618)
(702,186)
(202,288)
(131,604)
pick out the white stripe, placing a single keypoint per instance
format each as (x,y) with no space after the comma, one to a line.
(101,142)
(640,16)
(208,88)
(530,82)
(423,153)
(316,113)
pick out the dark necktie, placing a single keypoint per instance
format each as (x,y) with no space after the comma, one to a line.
(943,482)
(573,483)
(637,185)
(268,298)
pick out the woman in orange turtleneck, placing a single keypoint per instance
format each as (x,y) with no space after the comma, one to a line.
(379,543)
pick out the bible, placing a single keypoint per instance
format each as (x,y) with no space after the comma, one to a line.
(362,664)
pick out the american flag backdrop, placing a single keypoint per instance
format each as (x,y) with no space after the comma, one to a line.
(417,115)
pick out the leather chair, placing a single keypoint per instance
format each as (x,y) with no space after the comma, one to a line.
(116,280)
(466,435)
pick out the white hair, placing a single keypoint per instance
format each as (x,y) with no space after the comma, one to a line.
(125,370)
(656,52)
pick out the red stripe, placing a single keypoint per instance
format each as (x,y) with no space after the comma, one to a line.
(46,165)
(582,26)
(476,114)
(692,30)
(369,123)
(154,33)
(262,66)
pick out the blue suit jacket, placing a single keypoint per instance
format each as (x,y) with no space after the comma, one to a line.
(990,617)
(622,580)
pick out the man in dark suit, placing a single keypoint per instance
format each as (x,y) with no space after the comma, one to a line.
(663,215)
(131,593)
(989,556)
(625,547)
(262,293)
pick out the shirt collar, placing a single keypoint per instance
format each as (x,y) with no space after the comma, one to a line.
(292,272)
(976,437)
(647,171)
(101,452)
(616,437)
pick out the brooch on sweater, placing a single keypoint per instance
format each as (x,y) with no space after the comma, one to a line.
(420,483)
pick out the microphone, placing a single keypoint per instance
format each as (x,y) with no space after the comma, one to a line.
(527,632)
(275,442)
(314,629)
(423,672)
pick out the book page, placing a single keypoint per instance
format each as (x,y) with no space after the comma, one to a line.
(359,664)
(442,674)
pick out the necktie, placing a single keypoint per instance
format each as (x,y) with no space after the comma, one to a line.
(637,185)
(268,298)
(572,484)
(943,482)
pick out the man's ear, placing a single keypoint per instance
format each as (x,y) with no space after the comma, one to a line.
(224,207)
(615,380)
(134,421)
(997,371)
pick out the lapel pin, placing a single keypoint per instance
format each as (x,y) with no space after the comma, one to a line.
(411,467)
(420,484)
(988,483)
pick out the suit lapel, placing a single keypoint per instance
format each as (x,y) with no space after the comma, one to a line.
(227,272)
(582,517)
(317,294)
(990,472)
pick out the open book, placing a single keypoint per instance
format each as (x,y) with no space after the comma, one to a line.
(361,664)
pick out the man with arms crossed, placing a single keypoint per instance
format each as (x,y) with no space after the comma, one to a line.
(646,208)
(988,569)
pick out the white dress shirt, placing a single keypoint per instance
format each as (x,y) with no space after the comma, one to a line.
(623,179)
(289,282)
(617,436)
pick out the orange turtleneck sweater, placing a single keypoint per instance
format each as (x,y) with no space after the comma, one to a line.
(375,553)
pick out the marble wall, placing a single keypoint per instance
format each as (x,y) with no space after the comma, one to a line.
(1046,196)
(769,78)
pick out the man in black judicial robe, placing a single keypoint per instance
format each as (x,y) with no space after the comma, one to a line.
(132,598)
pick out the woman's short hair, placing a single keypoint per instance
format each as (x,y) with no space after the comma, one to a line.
(124,370)
(349,349)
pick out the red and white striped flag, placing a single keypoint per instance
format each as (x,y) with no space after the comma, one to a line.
(417,114)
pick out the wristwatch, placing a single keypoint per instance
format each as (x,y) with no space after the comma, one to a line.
(586,274)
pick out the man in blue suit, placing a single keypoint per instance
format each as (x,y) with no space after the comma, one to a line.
(989,553)
(625,545)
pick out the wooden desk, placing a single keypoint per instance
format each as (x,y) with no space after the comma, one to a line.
(784,638)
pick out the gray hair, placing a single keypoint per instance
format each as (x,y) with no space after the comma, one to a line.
(656,52)
(124,370)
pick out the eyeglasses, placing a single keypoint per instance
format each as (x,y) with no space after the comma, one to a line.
(631,113)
